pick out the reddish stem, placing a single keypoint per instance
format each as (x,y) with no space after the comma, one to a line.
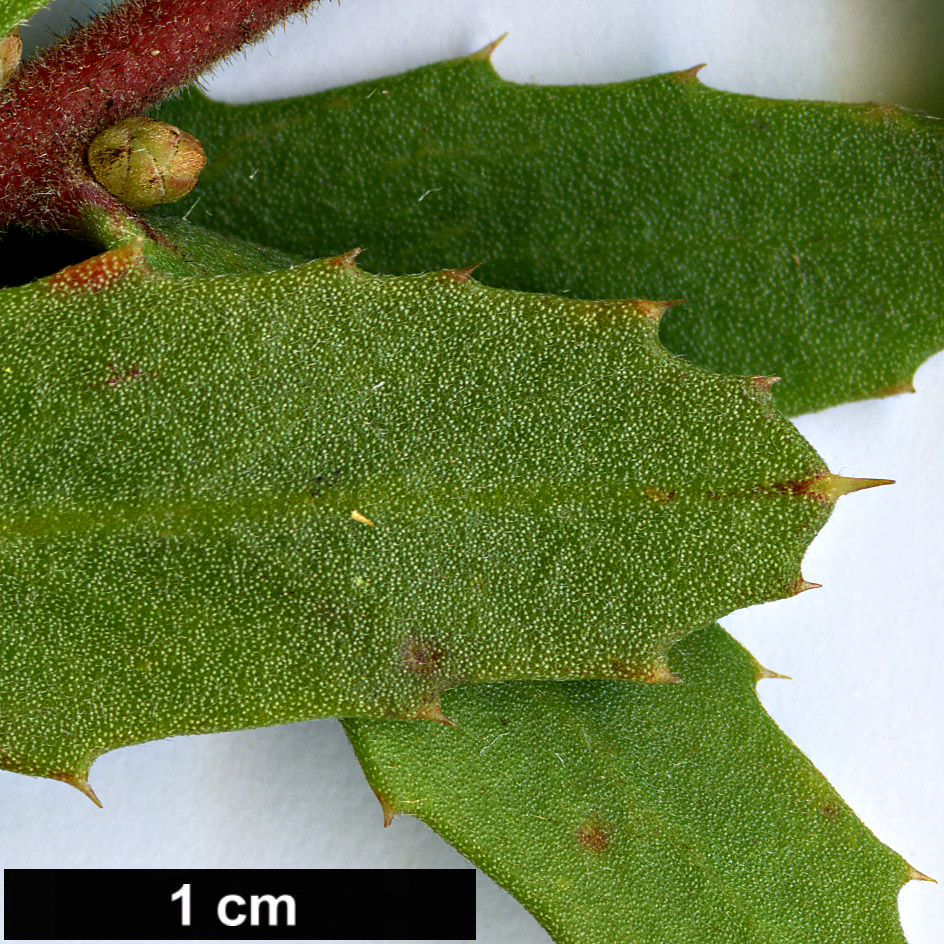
(118,65)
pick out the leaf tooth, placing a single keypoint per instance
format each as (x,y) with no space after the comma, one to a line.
(347,259)
(762,672)
(762,384)
(690,75)
(654,310)
(462,275)
(387,808)
(915,876)
(906,386)
(660,674)
(801,586)
(432,711)
(486,51)
(99,272)
(80,782)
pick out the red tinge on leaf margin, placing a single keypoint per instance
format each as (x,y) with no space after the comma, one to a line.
(98,272)
(462,275)
(654,310)
(346,259)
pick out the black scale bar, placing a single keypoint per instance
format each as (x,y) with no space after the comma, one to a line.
(239,904)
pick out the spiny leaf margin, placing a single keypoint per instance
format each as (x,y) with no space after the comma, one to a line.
(639,814)
(182,571)
(805,235)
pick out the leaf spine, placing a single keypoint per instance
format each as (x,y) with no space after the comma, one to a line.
(762,672)
(763,384)
(906,386)
(363,519)
(801,586)
(915,876)
(654,310)
(386,807)
(432,711)
(661,674)
(689,76)
(462,275)
(346,259)
(485,53)
(832,487)
(80,782)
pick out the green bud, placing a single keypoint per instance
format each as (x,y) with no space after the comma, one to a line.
(11,49)
(145,162)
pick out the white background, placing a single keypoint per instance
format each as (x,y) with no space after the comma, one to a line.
(865,652)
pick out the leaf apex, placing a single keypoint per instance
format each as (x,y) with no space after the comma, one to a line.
(832,487)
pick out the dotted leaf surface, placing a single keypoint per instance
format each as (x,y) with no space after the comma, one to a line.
(807,236)
(240,500)
(15,12)
(644,814)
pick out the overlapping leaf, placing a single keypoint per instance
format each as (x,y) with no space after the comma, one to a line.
(644,814)
(233,501)
(806,236)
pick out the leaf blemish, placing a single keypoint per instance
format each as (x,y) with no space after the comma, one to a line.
(593,836)
(422,656)
(117,377)
(829,810)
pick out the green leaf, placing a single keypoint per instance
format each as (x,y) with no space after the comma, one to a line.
(644,814)
(14,13)
(806,236)
(243,500)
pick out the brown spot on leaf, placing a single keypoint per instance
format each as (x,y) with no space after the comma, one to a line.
(829,810)
(422,657)
(119,377)
(655,494)
(593,836)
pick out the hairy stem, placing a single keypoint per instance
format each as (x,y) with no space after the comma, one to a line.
(118,65)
